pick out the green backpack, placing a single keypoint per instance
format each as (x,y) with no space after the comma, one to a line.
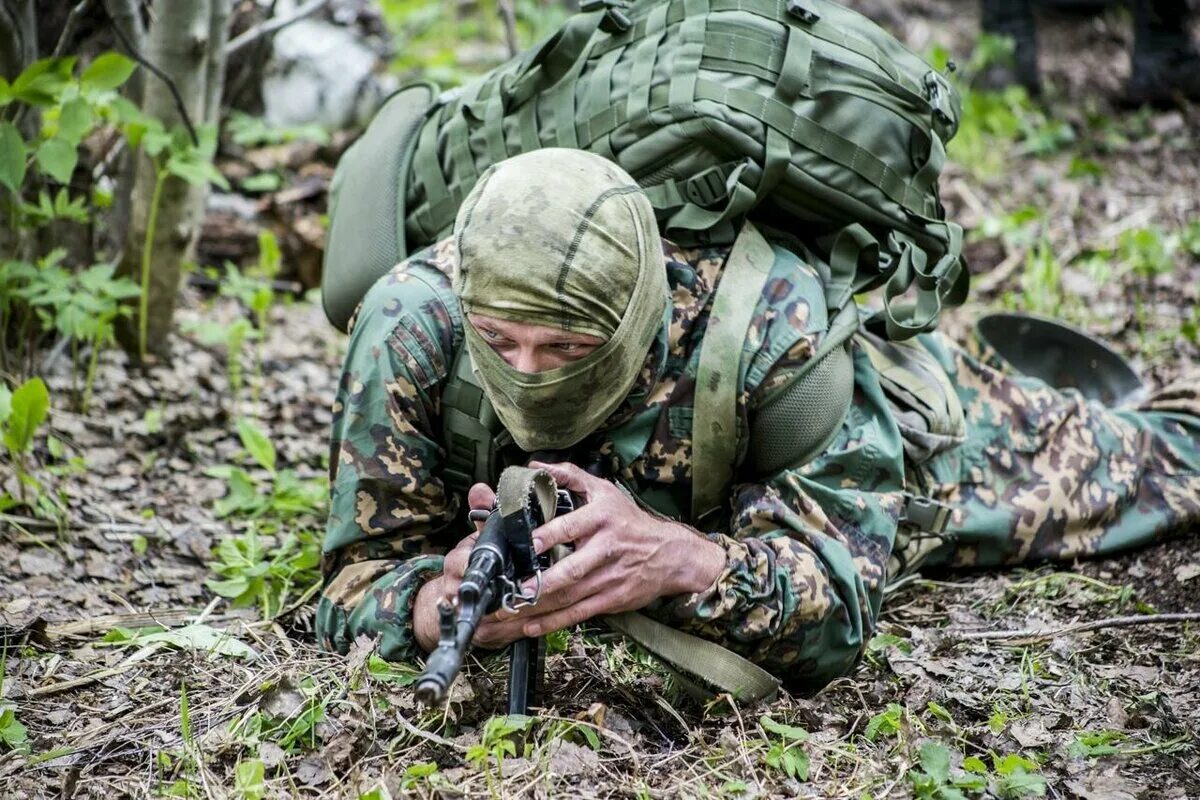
(800,113)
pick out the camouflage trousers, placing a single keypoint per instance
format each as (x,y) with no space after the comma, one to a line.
(1047,475)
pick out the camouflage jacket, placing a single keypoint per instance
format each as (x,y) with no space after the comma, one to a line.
(807,548)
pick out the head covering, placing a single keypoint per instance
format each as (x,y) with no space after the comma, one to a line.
(566,239)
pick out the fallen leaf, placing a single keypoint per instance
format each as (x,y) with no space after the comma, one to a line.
(1185,572)
(204,638)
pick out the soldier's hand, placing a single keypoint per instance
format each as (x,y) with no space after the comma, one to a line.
(624,558)
(425,614)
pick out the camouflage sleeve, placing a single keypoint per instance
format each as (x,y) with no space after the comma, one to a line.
(807,548)
(390,515)
(807,551)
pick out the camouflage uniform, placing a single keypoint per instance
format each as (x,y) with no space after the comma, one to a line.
(1041,474)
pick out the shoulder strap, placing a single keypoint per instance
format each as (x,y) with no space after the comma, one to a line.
(714,420)
(471,429)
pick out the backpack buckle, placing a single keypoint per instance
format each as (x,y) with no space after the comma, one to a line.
(615,19)
(707,187)
(925,514)
(801,11)
(937,91)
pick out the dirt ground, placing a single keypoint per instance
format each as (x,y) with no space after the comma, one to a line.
(1105,713)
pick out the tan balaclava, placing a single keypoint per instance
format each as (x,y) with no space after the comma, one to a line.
(566,239)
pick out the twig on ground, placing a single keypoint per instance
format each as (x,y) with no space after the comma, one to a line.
(272,26)
(427,735)
(1034,634)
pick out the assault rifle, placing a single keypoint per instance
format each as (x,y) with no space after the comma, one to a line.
(502,559)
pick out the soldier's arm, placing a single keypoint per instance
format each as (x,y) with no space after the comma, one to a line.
(390,515)
(806,553)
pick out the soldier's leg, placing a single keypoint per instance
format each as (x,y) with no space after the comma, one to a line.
(1012,18)
(1166,61)
(1045,474)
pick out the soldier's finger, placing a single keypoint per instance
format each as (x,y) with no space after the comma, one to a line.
(572,615)
(481,496)
(573,570)
(569,527)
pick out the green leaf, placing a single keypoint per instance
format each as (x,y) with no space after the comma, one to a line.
(201,637)
(885,722)
(56,158)
(107,71)
(1020,784)
(786,731)
(935,760)
(248,779)
(257,444)
(390,672)
(12,733)
(795,763)
(75,120)
(422,769)
(12,157)
(30,404)
(43,81)
(262,182)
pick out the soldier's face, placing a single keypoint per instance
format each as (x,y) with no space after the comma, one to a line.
(533,348)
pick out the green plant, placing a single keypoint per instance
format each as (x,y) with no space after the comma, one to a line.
(886,723)
(250,572)
(71,109)
(232,338)
(13,735)
(21,414)
(295,729)
(416,774)
(1018,777)
(251,131)
(935,781)
(249,779)
(280,496)
(785,753)
(1041,282)
(172,153)
(500,739)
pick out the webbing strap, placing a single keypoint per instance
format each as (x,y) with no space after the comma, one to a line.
(813,136)
(714,416)
(744,680)
(637,105)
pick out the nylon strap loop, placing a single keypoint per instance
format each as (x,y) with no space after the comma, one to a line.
(714,421)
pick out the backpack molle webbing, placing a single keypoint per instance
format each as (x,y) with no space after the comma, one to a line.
(801,110)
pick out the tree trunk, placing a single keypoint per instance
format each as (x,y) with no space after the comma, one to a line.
(125,16)
(18,37)
(187,42)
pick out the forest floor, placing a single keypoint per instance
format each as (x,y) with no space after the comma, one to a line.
(131,678)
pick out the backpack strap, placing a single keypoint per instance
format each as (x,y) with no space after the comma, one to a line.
(471,430)
(795,424)
(714,416)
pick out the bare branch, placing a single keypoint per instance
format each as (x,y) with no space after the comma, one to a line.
(68,34)
(509,15)
(1035,634)
(133,53)
(273,25)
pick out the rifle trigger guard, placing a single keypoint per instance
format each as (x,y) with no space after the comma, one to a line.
(514,600)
